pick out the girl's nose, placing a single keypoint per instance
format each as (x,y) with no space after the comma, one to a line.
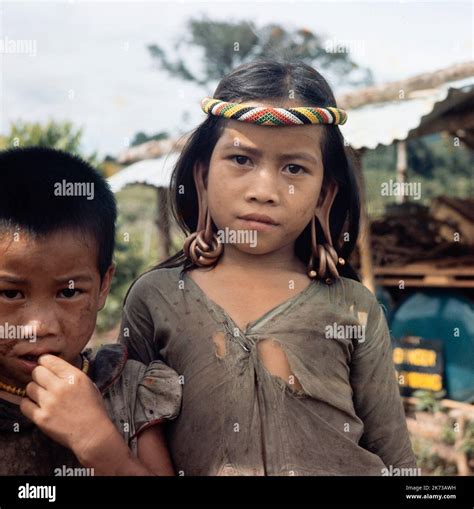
(263,186)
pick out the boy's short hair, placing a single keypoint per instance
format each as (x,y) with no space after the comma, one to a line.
(43,190)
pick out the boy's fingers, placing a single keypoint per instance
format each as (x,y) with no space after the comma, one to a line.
(43,376)
(29,408)
(58,366)
(35,392)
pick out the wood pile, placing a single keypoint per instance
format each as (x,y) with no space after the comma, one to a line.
(446,432)
(410,232)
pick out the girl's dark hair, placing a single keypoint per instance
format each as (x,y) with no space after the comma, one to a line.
(264,79)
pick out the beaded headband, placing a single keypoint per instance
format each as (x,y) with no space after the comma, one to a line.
(273,116)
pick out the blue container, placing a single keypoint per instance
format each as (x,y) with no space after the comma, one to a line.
(385,301)
(446,315)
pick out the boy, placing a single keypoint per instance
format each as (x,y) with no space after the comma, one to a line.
(57,229)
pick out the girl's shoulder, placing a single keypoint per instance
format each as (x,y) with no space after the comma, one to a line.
(161,280)
(356,288)
(355,295)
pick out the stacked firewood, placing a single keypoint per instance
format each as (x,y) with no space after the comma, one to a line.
(410,233)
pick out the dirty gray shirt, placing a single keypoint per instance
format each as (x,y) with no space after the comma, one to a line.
(237,418)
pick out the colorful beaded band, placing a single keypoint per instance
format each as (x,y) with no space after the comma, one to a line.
(273,116)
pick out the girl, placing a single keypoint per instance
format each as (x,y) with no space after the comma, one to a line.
(284,355)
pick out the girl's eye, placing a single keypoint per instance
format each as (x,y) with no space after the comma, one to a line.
(69,293)
(298,168)
(238,159)
(11,294)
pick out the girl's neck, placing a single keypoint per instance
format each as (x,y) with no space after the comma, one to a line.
(281,261)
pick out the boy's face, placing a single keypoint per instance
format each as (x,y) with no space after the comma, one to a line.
(50,293)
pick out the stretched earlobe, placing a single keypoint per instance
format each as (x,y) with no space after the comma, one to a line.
(198,176)
(202,247)
(326,254)
(324,208)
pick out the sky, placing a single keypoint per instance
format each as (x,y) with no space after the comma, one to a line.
(87,62)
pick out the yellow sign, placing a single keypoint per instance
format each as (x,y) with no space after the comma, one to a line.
(414,356)
(415,380)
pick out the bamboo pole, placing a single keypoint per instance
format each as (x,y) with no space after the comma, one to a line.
(401,169)
(363,241)
(163,224)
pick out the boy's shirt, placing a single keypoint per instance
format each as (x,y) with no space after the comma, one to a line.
(136,397)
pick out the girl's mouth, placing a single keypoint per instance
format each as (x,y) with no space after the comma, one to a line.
(260,226)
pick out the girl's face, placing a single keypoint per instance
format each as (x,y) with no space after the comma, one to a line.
(273,171)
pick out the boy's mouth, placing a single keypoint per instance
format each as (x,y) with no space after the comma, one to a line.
(28,362)
(32,358)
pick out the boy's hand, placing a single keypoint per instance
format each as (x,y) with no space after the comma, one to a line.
(64,403)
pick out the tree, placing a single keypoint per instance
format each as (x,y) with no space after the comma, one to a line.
(225,45)
(59,135)
(142,137)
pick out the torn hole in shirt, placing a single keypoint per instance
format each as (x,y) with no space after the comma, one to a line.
(360,315)
(219,344)
(275,361)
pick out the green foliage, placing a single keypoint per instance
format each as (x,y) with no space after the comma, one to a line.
(225,45)
(129,265)
(429,461)
(438,156)
(142,137)
(420,157)
(434,161)
(424,457)
(135,252)
(467,445)
(429,401)
(448,435)
(59,135)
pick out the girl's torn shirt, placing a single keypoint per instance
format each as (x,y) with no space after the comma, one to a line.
(292,394)
(135,396)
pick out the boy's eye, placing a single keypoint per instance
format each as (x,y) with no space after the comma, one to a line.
(11,294)
(69,293)
(298,168)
